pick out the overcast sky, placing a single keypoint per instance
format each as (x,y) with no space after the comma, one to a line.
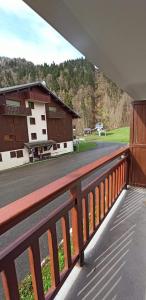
(24,34)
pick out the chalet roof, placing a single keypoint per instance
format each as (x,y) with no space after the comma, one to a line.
(43,86)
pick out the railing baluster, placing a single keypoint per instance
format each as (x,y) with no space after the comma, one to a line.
(113,187)
(116,183)
(66,241)
(119,181)
(92,211)
(124,172)
(35,268)
(97,204)
(102,199)
(85,218)
(77,222)
(107,193)
(121,176)
(10,283)
(110,190)
(53,252)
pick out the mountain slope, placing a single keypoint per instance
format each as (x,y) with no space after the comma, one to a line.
(79,84)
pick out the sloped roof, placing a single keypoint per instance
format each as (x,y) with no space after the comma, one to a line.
(43,86)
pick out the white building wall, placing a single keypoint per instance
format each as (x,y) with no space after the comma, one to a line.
(61,150)
(8,162)
(39,109)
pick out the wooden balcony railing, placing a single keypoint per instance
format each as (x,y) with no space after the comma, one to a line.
(12,110)
(85,209)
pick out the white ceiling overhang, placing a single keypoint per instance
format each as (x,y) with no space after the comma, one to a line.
(110,33)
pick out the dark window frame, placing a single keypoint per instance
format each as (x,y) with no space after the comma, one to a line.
(55,147)
(65,145)
(58,146)
(12,154)
(1,159)
(33,136)
(32,121)
(19,153)
(44,131)
(31,104)
(43,117)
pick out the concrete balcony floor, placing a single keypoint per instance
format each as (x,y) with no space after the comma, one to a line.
(115,266)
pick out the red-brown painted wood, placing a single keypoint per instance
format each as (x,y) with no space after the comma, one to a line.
(9,280)
(66,241)
(35,268)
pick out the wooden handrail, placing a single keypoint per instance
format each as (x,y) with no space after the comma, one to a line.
(84,212)
(13,213)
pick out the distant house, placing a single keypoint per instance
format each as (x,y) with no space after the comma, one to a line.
(34,124)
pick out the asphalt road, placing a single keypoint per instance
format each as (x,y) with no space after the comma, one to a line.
(16,183)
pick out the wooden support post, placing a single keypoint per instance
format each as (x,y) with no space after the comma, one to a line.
(77,222)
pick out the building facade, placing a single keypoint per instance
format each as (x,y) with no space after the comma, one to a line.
(34,124)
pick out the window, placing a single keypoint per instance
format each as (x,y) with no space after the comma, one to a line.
(45,148)
(58,145)
(31,105)
(9,137)
(43,131)
(32,121)
(43,117)
(54,147)
(13,103)
(19,153)
(65,145)
(1,157)
(33,136)
(52,108)
(12,154)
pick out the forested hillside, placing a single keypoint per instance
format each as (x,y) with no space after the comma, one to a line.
(79,84)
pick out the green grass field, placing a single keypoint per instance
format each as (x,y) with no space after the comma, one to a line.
(120,135)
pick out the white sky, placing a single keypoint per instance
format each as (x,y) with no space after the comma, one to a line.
(25,34)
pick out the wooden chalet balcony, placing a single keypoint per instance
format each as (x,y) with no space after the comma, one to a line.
(12,110)
(84,211)
(55,114)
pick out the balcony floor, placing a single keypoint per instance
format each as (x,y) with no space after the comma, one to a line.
(115,268)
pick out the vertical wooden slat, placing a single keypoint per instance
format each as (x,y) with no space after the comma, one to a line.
(92,210)
(123,173)
(120,177)
(116,183)
(107,194)
(110,190)
(85,218)
(113,186)
(77,222)
(35,268)
(66,241)
(102,200)
(119,181)
(10,283)
(53,252)
(97,204)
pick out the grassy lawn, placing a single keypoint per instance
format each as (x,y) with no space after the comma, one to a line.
(120,135)
(116,135)
(26,289)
